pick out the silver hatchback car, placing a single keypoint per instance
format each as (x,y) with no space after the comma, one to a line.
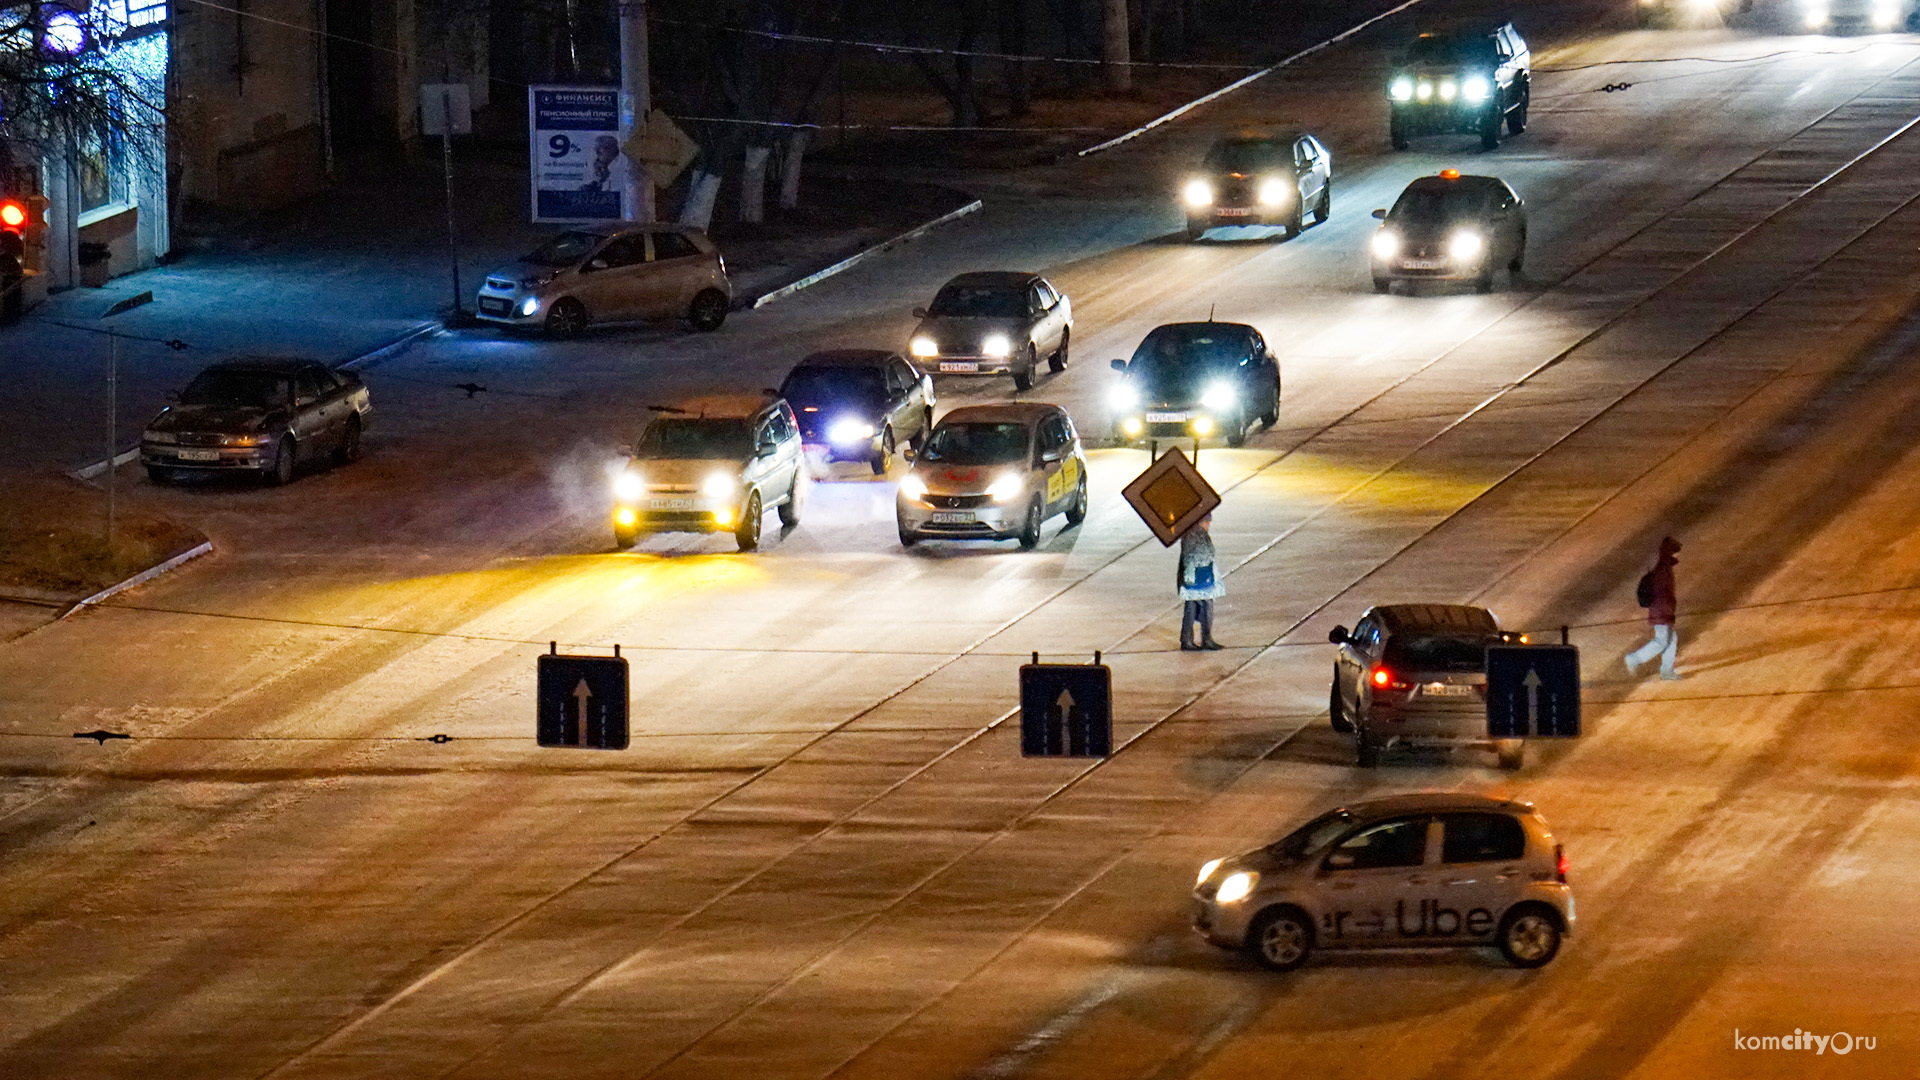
(992,323)
(1408,871)
(615,274)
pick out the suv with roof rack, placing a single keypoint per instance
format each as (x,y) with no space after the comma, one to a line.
(1465,81)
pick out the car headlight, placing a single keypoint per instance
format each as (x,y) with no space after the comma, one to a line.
(1476,88)
(1885,15)
(1207,870)
(1008,488)
(997,345)
(1401,89)
(625,517)
(1466,245)
(153,436)
(1123,397)
(848,430)
(1132,426)
(1198,193)
(912,487)
(1386,244)
(719,486)
(1424,91)
(1202,426)
(1219,397)
(530,305)
(628,486)
(1238,886)
(924,346)
(1816,16)
(1448,88)
(1275,192)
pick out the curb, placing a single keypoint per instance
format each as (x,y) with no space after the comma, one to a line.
(1238,83)
(140,578)
(885,245)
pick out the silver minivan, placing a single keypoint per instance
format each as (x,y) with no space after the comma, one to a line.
(615,274)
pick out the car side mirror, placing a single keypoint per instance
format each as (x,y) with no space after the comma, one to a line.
(625,450)
(908,454)
(1338,635)
(919,313)
(596,264)
(1380,215)
(1119,365)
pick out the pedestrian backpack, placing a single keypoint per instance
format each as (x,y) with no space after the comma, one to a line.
(1644,591)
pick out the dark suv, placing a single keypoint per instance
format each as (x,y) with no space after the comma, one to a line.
(1465,81)
(1415,675)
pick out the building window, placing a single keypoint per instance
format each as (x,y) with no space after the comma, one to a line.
(97,161)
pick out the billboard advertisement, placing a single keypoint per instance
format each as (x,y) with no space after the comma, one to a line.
(579,173)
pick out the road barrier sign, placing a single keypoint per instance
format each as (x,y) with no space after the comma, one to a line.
(582,701)
(1171,496)
(1533,692)
(1066,710)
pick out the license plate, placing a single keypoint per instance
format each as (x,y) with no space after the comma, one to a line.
(1166,418)
(1446,690)
(959,365)
(671,504)
(1424,264)
(495,307)
(199,455)
(1231,211)
(953,517)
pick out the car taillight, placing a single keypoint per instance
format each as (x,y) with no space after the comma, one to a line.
(1383,678)
(1560,863)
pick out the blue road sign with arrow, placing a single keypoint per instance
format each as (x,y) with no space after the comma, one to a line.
(1066,710)
(1533,692)
(582,701)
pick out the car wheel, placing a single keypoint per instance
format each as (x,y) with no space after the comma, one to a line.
(747,534)
(1272,415)
(1366,752)
(349,449)
(1382,285)
(624,538)
(1490,132)
(1077,509)
(884,454)
(1484,283)
(1529,935)
(566,318)
(1324,209)
(1058,361)
(1195,230)
(1512,753)
(1293,223)
(159,475)
(919,440)
(1518,262)
(1517,119)
(1337,712)
(908,537)
(1398,138)
(1030,529)
(1237,434)
(281,472)
(796,500)
(708,310)
(1281,938)
(1023,377)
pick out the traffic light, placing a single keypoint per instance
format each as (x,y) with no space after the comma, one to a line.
(23,229)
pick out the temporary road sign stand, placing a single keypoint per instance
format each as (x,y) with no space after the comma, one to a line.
(1171,496)
(1066,710)
(1533,692)
(581,701)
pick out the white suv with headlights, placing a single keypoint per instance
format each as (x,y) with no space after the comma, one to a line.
(714,464)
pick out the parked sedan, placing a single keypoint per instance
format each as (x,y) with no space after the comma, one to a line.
(1450,228)
(995,323)
(994,472)
(260,414)
(859,405)
(1197,380)
(1260,180)
(614,274)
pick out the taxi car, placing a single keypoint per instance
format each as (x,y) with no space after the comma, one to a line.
(1468,81)
(1415,675)
(994,323)
(714,464)
(859,405)
(1450,228)
(1260,180)
(264,415)
(1404,872)
(611,274)
(1197,380)
(993,472)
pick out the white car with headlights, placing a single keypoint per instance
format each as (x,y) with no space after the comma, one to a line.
(1450,227)
(994,322)
(994,472)
(715,464)
(1826,16)
(1260,180)
(1404,872)
(1686,12)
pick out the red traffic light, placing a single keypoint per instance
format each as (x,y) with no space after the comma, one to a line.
(13,214)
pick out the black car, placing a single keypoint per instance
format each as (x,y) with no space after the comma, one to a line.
(859,405)
(1467,82)
(1450,228)
(259,414)
(1260,180)
(1415,675)
(1197,380)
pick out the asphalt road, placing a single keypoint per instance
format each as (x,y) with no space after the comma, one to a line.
(823,856)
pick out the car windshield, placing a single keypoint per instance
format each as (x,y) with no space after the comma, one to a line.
(237,389)
(567,249)
(1311,837)
(695,438)
(1439,652)
(1248,155)
(977,444)
(1435,206)
(1451,52)
(818,386)
(1174,354)
(980,302)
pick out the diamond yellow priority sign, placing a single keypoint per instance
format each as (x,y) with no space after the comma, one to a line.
(662,147)
(1171,496)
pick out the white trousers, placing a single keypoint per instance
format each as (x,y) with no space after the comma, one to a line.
(1665,643)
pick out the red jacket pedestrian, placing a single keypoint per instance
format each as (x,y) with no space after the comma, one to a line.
(1660,611)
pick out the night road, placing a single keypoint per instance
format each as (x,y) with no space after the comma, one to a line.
(823,855)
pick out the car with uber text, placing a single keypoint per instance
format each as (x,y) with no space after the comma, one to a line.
(714,464)
(994,472)
(1450,228)
(1403,872)
(1198,380)
(994,323)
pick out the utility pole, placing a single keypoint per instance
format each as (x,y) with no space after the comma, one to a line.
(1117,48)
(635,103)
(113,408)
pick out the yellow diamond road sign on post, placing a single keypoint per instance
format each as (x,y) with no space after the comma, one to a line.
(662,147)
(1171,496)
